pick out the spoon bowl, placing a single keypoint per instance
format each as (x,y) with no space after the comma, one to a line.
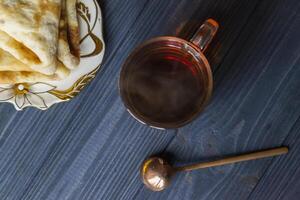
(156,173)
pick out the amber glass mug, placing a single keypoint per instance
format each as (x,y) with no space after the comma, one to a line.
(167,81)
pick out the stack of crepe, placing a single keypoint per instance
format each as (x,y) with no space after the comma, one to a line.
(39,40)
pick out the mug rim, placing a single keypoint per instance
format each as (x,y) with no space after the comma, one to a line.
(208,95)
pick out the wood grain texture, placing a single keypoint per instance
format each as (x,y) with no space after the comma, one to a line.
(282,176)
(90,148)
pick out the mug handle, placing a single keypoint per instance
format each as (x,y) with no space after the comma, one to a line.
(205,34)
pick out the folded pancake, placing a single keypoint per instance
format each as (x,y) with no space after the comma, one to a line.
(14,71)
(18,50)
(10,63)
(25,77)
(13,77)
(73,27)
(66,54)
(34,24)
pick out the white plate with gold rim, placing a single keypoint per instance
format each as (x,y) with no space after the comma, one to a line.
(42,95)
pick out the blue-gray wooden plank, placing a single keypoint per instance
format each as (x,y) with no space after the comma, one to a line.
(90,148)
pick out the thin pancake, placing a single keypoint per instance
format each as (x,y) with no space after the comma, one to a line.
(64,53)
(18,49)
(34,24)
(25,77)
(73,28)
(10,63)
(13,77)
(13,71)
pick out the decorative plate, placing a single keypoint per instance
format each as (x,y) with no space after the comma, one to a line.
(42,95)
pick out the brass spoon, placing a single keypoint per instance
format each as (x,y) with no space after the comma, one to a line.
(157,173)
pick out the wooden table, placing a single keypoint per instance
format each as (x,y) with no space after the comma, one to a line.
(90,148)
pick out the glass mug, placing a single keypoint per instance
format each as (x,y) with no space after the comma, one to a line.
(167,81)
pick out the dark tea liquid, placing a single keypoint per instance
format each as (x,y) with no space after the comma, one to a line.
(165,86)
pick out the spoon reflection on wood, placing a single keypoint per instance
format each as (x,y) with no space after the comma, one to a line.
(157,173)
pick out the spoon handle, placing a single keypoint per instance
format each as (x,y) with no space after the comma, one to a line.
(235,159)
